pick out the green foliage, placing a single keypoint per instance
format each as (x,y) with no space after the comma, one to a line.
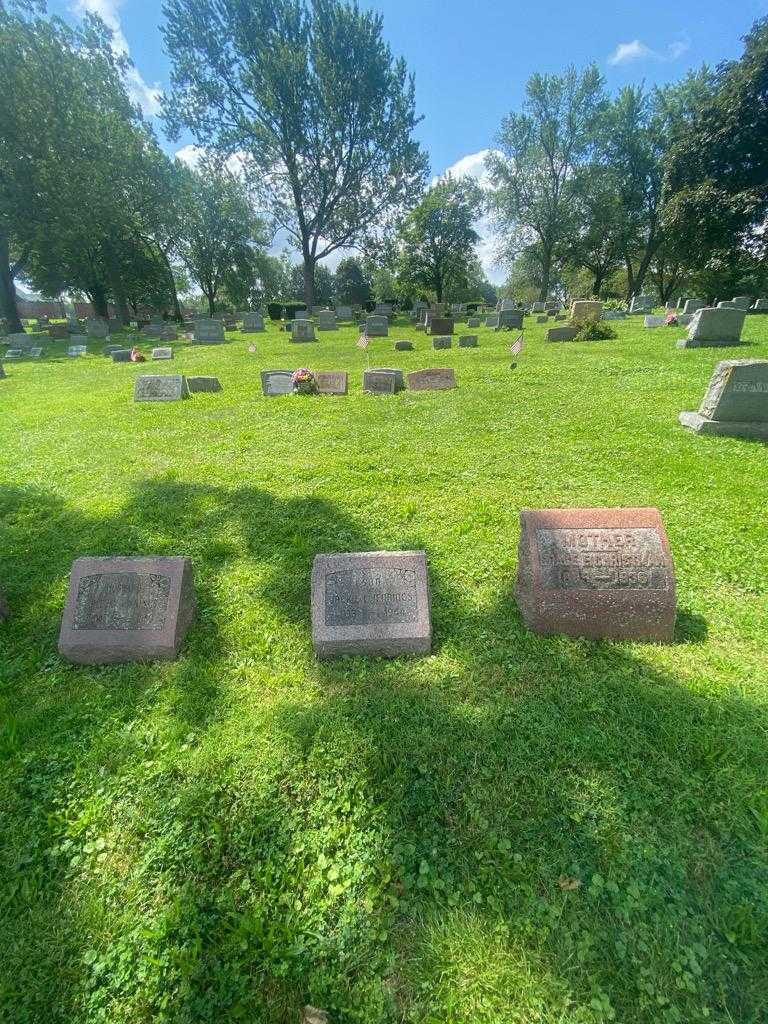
(716,176)
(517,828)
(437,238)
(330,153)
(593,330)
(352,287)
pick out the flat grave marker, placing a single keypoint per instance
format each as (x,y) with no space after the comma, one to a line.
(127,609)
(441,342)
(156,388)
(373,603)
(380,382)
(331,382)
(210,385)
(433,379)
(162,353)
(468,341)
(277,382)
(597,573)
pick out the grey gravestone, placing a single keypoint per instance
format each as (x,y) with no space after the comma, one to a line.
(468,341)
(35,353)
(561,334)
(434,379)
(301,314)
(736,402)
(713,328)
(277,382)
(79,339)
(641,304)
(510,319)
(560,317)
(121,355)
(742,301)
(127,609)
(399,381)
(379,382)
(155,318)
(209,332)
(210,384)
(162,353)
(541,319)
(302,330)
(684,319)
(727,304)
(96,328)
(441,325)
(377,326)
(693,305)
(331,382)
(586,309)
(403,346)
(473,321)
(326,320)
(14,353)
(372,603)
(77,350)
(253,323)
(153,330)
(654,321)
(761,306)
(608,314)
(18,340)
(171,388)
(441,342)
(537,307)
(344,312)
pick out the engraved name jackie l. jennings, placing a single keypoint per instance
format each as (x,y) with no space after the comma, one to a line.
(602,559)
(364,597)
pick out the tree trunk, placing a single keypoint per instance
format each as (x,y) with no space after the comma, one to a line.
(112,266)
(98,298)
(598,283)
(439,289)
(211,303)
(546,271)
(309,281)
(630,278)
(172,283)
(8,307)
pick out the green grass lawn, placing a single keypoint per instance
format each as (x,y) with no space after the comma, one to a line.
(516,829)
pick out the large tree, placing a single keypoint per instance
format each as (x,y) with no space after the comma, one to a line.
(716,188)
(353,288)
(311,97)
(437,238)
(539,150)
(219,234)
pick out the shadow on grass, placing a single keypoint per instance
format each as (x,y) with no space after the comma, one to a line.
(338,853)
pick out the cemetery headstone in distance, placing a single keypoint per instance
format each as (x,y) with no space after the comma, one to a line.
(331,382)
(127,609)
(209,332)
(433,379)
(736,402)
(162,353)
(302,330)
(441,342)
(561,333)
(468,341)
(153,388)
(586,310)
(277,382)
(596,573)
(371,603)
(379,382)
(403,346)
(714,328)
(203,384)
(253,323)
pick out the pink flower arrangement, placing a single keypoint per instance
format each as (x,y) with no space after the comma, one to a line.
(303,381)
(671,320)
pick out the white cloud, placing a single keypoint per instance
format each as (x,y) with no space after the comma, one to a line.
(191,155)
(145,95)
(473,166)
(625,53)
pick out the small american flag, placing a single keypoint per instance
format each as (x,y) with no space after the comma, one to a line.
(362,341)
(517,347)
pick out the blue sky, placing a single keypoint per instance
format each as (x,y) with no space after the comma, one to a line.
(472,59)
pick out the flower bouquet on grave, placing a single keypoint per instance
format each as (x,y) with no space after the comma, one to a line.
(671,320)
(304,382)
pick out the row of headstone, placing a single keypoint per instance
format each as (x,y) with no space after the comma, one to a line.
(376,381)
(604,573)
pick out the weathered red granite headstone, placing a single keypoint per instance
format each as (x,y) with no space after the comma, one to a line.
(596,572)
(127,609)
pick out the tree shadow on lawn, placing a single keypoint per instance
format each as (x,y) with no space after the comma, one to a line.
(407,798)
